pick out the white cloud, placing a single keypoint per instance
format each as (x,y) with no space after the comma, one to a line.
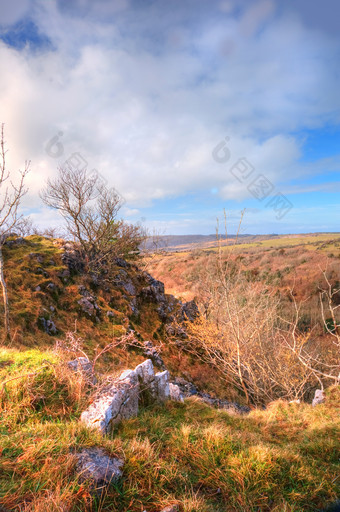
(148,119)
(12,12)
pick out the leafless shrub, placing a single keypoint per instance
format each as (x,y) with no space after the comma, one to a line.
(324,367)
(242,333)
(90,210)
(74,345)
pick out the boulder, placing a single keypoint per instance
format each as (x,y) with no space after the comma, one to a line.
(162,386)
(117,402)
(145,372)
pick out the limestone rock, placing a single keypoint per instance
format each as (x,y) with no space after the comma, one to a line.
(162,386)
(84,366)
(89,307)
(190,311)
(129,287)
(122,398)
(93,464)
(119,401)
(145,372)
(151,352)
(175,393)
(48,326)
(319,397)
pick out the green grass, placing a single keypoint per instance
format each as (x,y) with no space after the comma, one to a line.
(203,459)
(307,241)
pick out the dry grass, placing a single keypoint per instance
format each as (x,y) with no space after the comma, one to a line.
(282,458)
(285,458)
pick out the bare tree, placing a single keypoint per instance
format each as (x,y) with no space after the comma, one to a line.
(90,210)
(241,333)
(10,198)
(302,345)
(154,245)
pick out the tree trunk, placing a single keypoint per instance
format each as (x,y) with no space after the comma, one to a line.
(7,334)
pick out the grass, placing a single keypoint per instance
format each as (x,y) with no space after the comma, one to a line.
(38,290)
(203,459)
(285,458)
(282,262)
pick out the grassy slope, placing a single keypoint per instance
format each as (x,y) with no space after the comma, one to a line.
(37,264)
(284,458)
(37,289)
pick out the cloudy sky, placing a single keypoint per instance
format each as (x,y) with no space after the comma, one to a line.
(186,107)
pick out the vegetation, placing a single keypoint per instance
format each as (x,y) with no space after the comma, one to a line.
(282,458)
(10,198)
(90,210)
(203,459)
(244,335)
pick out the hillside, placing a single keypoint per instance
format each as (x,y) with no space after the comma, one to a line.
(189,455)
(281,261)
(180,243)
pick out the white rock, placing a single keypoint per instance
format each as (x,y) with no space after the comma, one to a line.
(93,464)
(175,393)
(122,399)
(145,371)
(319,397)
(162,386)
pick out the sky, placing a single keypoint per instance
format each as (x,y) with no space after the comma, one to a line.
(185,107)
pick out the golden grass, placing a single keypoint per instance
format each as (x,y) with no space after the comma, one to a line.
(200,458)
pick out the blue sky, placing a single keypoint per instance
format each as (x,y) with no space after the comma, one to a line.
(145,91)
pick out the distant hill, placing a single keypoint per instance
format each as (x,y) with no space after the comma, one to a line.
(188,242)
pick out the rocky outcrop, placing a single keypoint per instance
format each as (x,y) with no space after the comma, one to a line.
(121,400)
(88,304)
(48,326)
(189,311)
(175,393)
(17,241)
(137,288)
